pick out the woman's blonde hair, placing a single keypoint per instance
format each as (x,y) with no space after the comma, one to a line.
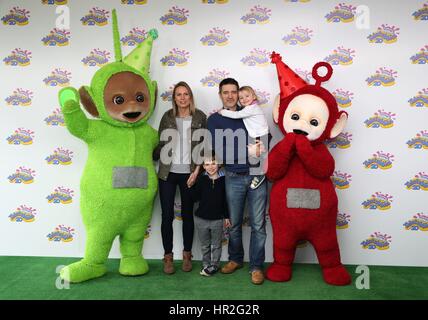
(192,102)
(249,89)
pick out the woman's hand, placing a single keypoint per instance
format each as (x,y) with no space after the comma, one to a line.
(256,149)
(192,178)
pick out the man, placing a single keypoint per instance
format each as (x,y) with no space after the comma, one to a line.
(230,138)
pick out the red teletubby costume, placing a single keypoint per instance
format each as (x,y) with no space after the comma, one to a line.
(303,201)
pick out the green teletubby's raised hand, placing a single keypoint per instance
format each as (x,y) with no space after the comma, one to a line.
(119,181)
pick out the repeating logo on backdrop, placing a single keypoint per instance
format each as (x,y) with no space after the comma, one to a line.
(61,195)
(22,175)
(177,210)
(216,37)
(214,78)
(342,221)
(257,58)
(176,58)
(384,34)
(381,119)
(18,58)
(343,97)
(60,156)
(342,13)
(379,160)
(377,241)
(20,97)
(58,77)
(383,77)
(419,222)
(341,180)
(23,214)
(378,201)
(257,15)
(134,37)
(420,100)
(134,2)
(342,141)
(167,95)
(418,182)
(215,1)
(55,2)
(263,97)
(420,57)
(298,36)
(57,37)
(148,232)
(341,56)
(56,118)
(96,58)
(16,17)
(421,14)
(96,17)
(175,16)
(21,136)
(420,141)
(61,234)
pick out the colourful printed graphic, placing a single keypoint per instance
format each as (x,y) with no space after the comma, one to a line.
(342,141)
(421,14)
(377,241)
(60,157)
(57,37)
(341,56)
(379,160)
(167,95)
(176,16)
(385,34)
(18,57)
(148,232)
(176,58)
(55,2)
(136,2)
(215,1)
(420,100)
(342,221)
(419,182)
(22,175)
(343,98)
(23,214)
(177,210)
(97,58)
(378,201)
(16,17)
(216,37)
(342,13)
(297,1)
(96,17)
(420,57)
(298,36)
(61,234)
(383,77)
(257,57)
(58,77)
(257,15)
(134,37)
(214,78)
(225,238)
(21,137)
(419,222)
(56,118)
(263,97)
(61,195)
(341,180)
(20,97)
(420,141)
(305,75)
(381,119)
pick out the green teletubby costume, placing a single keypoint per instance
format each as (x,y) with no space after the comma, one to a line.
(119,183)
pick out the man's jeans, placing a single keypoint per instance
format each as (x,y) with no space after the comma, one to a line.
(237,191)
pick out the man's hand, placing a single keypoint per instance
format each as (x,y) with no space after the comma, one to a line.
(256,149)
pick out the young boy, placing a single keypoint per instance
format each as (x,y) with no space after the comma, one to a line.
(211,214)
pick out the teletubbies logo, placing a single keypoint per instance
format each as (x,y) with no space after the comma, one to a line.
(263,97)
(134,2)
(378,201)
(148,232)
(297,1)
(384,34)
(175,15)
(134,37)
(343,97)
(420,100)
(377,241)
(18,58)
(61,234)
(177,210)
(54,2)
(383,77)
(56,118)
(96,17)
(57,37)
(216,37)
(418,182)
(60,156)
(421,57)
(225,238)
(61,195)
(215,1)
(420,141)
(421,14)
(16,17)
(304,74)
(96,58)
(342,221)
(381,119)
(176,58)
(341,56)
(418,222)
(298,36)
(22,175)
(341,13)
(379,160)
(58,77)
(257,15)
(167,95)
(341,180)
(214,78)
(20,97)
(342,141)
(23,214)
(21,136)
(257,57)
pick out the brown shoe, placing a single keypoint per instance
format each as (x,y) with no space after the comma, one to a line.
(257,277)
(230,267)
(187,261)
(168,263)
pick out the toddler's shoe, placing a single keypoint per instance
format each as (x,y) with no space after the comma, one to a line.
(257,181)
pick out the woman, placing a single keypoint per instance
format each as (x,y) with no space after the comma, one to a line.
(178,168)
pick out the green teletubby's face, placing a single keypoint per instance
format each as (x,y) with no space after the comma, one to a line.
(127,97)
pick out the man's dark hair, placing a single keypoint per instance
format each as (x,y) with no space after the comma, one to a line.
(228,81)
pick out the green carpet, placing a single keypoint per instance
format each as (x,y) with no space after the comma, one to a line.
(35,278)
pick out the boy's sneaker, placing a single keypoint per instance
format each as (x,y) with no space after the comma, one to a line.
(211,270)
(204,272)
(257,181)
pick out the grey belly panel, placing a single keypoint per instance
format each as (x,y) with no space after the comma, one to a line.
(303,198)
(129,177)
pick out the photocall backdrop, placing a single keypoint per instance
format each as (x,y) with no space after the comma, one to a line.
(378,50)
